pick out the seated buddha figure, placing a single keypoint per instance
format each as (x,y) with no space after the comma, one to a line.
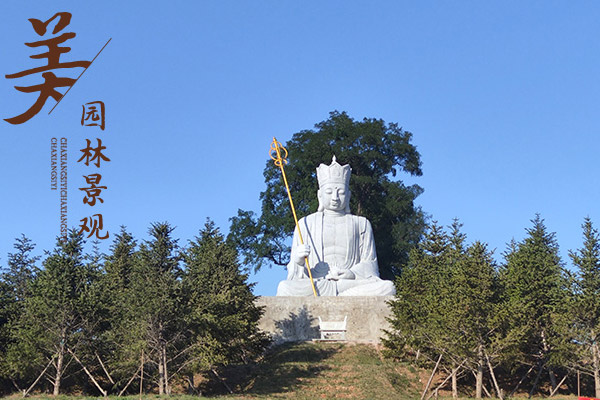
(339,246)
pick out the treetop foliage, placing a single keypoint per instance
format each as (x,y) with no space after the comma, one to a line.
(153,314)
(487,320)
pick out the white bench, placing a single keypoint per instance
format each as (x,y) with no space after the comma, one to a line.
(333,330)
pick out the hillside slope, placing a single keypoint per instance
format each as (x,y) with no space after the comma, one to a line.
(326,371)
(309,371)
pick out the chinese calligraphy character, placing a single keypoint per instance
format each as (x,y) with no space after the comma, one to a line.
(52,56)
(92,116)
(93,225)
(96,155)
(93,191)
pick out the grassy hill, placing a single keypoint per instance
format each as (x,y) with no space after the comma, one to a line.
(327,371)
(314,371)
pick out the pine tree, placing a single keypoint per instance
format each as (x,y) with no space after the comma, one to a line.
(475,284)
(417,325)
(449,312)
(155,305)
(55,318)
(5,301)
(15,286)
(412,306)
(222,315)
(446,298)
(95,315)
(587,300)
(535,295)
(123,339)
(121,261)
(21,269)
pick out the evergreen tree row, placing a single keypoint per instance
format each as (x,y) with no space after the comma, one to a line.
(140,319)
(527,325)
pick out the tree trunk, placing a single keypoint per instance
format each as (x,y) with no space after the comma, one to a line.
(537,378)
(521,380)
(454,372)
(546,351)
(479,376)
(552,393)
(454,384)
(59,366)
(191,386)
(214,371)
(596,368)
(166,371)
(487,392)
(552,379)
(129,382)
(161,373)
(142,374)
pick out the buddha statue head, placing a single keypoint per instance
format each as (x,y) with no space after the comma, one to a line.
(334,187)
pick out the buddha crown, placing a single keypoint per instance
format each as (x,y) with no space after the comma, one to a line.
(334,173)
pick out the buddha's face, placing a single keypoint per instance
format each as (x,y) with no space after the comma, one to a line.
(334,196)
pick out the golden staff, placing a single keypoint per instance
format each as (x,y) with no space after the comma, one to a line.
(279,161)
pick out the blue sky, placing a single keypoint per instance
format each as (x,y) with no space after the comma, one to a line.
(502,99)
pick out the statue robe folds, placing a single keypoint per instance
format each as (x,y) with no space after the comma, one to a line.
(361,259)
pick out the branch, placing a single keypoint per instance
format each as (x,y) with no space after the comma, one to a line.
(182,352)
(431,377)
(67,364)
(129,382)
(498,391)
(185,364)
(15,385)
(104,368)
(38,378)
(104,394)
(222,381)
(521,381)
(557,386)
(441,385)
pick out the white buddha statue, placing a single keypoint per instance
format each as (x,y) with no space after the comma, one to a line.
(339,246)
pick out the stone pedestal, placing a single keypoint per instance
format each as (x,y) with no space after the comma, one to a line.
(294,319)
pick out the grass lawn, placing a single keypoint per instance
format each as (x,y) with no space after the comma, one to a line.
(313,371)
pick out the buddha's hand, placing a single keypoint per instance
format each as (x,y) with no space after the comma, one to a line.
(335,274)
(347,274)
(300,253)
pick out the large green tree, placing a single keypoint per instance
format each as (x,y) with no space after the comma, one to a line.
(377,152)
(420,312)
(587,301)
(15,287)
(123,338)
(474,294)
(21,269)
(155,305)
(445,301)
(221,314)
(535,300)
(58,320)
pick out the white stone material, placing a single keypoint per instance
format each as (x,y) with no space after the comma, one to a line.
(333,330)
(339,246)
(294,319)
